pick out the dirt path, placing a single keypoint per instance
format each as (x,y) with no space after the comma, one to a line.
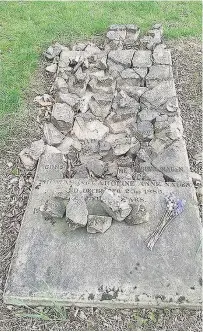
(13,198)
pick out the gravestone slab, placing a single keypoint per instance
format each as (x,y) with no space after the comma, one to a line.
(53,264)
(125,135)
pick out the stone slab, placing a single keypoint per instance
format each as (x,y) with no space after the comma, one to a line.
(52,264)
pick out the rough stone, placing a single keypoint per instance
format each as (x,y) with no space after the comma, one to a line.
(53,51)
(95,166)
(121,57)
(124,173)
(100,105)
(28,162)
(142,59)
(53,208)
(138,215)
(145,130)
(81,172)
(67,143)
(36,149)
(76,211)
(68,98)
(62,117)
(162,56)
(121,143)
(173,162)
(60,85)
(147,115)
(89,130)
(52,135)
(115,205)
(159,95)
(98,224)
(158,73)
(52,68)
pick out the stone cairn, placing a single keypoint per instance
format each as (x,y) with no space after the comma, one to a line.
(114,110)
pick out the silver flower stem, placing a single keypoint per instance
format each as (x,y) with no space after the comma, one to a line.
(153,238)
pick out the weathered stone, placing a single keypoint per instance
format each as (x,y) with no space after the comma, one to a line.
(69,142)
(138,215)
(95,166)
(92,49)
(68,98)
(81,172)
(98,224)
(52,68)
(162,56)
(117,127)
(124,173)
(84,102)
(89,130)
(52,135)
(115,205)
(79,47)
(196,178)
(28,162)
(116,34)
(135,92)
(120,143)
(173,162)
(145,130)
(142,59)
(142,72)
(53,51)
(62,117)
(121,57)
(100,105)
(158,73)
(53,208)
(159,95)
(149,172)
(36,149)
(147,115)
(66,254)
(61,85)
(76,211)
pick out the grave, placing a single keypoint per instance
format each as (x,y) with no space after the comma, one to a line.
(115,131)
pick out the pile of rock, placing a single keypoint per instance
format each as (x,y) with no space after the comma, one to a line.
(75,209)
(115,107)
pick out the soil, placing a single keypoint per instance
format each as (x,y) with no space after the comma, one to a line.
(15,186)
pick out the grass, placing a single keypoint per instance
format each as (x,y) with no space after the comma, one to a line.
(27,28)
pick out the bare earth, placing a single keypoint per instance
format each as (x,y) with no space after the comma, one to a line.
(186,56)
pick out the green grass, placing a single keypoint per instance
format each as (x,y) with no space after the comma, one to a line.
(27,28)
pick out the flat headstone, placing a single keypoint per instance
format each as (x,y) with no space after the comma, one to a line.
(53,264)
(123,135)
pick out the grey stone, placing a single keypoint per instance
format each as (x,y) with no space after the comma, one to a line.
(51,165)
(84,102)
(121,57)
(115,205)
(64,254)
(147,115)
(112,168)
(117,127)
(116,35)
(61,85)
(124,173)
(142,59)
(120,143)
(89,130)
(118,27)
(68,143)
(157,26)
(100,105)
(53,51)
(173,162)
(52,135)
(162,56)
(145,130)
(158,73)
(79,47)
(135,92)
(104,146)
(76,211)
(36,149)
(28,162)
(138,215)
(196,178)
(92,49)
(98,224)
(95,166)
(159,95)
(81,172)
(53,208)
(62,117)
(142,72)
(68,98)
(52,68)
